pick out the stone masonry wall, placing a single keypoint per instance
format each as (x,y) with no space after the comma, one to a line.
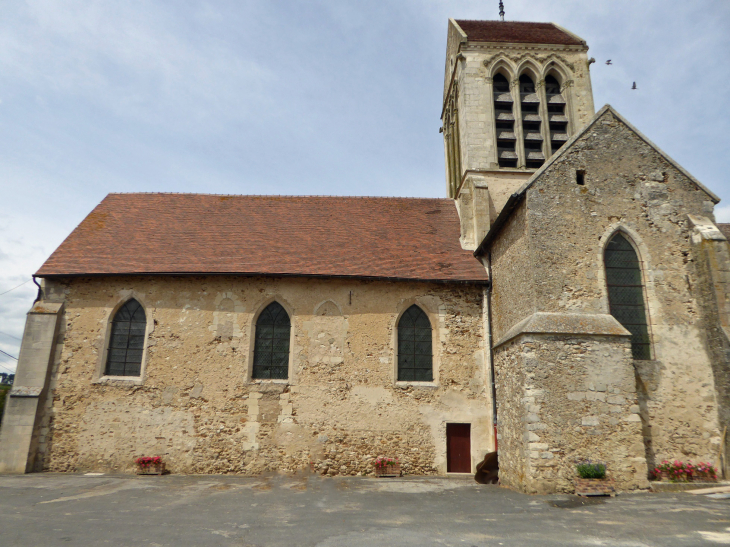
(513,291)
(562,400)
(198,408)
(476,106)
(711,254)
(631,187)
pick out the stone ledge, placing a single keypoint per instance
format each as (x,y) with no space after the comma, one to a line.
(661,486)
(583,324)
(23,391)
(705,229)
(45,307)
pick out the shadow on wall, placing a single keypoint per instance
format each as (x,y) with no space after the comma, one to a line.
(648,374)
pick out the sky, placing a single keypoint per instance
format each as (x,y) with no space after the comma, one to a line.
(315,97)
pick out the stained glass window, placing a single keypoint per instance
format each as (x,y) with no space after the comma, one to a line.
(415,361)
(626,293)
(271,347)
(126,344)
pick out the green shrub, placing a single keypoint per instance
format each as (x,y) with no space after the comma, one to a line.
(591,470)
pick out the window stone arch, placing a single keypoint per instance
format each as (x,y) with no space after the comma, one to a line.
(415,350)
(127,340)
(272,344)
(625,287)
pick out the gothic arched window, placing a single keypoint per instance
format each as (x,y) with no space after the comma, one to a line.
(531,122)
(415,361)
(271,345)
(626,293)
(557,120)
(126,343)
(504,120)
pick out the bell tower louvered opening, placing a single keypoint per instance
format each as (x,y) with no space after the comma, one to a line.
(557,120)
(531,123)
(504,120)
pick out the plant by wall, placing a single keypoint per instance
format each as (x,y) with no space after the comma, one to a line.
(588,470)
(678,471)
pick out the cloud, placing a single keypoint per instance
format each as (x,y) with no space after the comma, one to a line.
(290,97)
(135,60)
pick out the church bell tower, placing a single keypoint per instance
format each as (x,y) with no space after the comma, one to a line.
(514,93)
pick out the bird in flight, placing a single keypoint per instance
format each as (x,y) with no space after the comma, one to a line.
(634,86)
(609,62)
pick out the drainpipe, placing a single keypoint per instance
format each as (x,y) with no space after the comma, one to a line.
(40,291)
(491,351)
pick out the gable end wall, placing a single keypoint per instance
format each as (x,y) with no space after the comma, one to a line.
(630,186)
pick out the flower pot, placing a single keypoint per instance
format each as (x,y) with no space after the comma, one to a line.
(594,487)
(388,470)
(151,469)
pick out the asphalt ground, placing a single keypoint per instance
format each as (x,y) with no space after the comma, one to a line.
(68,509)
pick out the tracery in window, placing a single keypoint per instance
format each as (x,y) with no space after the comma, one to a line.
(271,345)
(531,123)
(126,343)
(557,120)
(415,360)
(504,120)
(626,293)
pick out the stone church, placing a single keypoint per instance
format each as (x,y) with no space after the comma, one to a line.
(567,300)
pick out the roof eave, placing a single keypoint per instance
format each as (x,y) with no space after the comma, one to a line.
(573,34)
(57,276)
(578,47)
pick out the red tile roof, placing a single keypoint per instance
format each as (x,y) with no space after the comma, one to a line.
(517,32)
(401,238)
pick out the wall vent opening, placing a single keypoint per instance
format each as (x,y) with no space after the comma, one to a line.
(580,177)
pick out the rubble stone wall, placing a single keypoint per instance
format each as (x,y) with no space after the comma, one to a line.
(649,199)
(197,407)
(561,244)
(513,290)
(563,400)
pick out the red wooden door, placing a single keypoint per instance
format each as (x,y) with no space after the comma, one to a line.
(458,448)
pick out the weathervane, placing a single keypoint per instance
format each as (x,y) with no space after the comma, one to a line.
(501,10)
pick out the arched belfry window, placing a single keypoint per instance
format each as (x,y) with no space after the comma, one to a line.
(415,360)
(626,293)
(504,120)
(531,123)
(126,343)
(557,120)
(271,346)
